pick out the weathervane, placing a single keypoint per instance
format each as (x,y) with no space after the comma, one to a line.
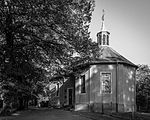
(103,15)
(103,26)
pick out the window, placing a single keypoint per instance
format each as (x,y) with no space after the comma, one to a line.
(107,39)
(106,82)
(83,84)
(57,89)
(100,40)
(104,37)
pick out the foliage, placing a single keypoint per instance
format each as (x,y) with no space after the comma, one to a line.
(38,39)
(143,85)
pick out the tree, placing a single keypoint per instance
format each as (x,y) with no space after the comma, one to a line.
(143,86)
(38,39)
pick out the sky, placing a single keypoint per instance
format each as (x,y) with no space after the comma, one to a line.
(128,22)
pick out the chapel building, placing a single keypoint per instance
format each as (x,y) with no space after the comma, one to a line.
(107,83)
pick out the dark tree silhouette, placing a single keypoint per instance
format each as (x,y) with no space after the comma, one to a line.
(38,39)
(143,87)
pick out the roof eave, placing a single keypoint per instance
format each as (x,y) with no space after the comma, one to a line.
(106,62)
(113,62)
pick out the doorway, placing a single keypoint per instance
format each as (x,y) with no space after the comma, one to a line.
(70,96)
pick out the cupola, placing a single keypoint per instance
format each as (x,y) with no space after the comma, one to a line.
(103,35)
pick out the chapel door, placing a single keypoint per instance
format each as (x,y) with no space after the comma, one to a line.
(70,96)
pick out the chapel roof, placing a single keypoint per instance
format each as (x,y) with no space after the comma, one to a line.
(108,55)
(105,55)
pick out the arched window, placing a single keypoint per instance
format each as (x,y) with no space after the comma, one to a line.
(107,39)
(104,37)
(100,39)
(106,82)
(83,84)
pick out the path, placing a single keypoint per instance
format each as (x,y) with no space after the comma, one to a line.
(44,114)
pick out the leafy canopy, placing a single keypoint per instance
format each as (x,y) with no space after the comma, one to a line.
(38,39)
(143,84)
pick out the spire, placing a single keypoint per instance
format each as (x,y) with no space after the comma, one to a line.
(103,35)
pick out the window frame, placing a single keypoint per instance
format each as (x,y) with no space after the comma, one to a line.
(101,84)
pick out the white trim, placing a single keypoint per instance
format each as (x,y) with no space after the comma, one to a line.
(68,95)
(101,81)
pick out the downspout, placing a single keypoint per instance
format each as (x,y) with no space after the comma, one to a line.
(117,86)
(135,106)
(134,109)
(74,92)
(89,89)
(102,102)
(63,100)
